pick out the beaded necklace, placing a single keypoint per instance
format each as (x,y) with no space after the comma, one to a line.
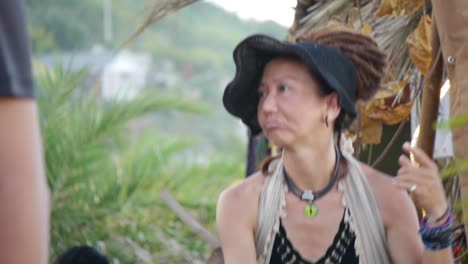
(310,196)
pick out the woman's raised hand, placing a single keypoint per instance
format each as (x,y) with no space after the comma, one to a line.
(421,179)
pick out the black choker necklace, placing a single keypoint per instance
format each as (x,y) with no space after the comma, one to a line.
(311,209)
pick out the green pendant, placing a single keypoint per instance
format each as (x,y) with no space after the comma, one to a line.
(311,210)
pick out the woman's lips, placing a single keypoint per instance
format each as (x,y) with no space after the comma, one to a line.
(271,124)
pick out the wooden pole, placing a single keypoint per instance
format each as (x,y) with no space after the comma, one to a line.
(431,98)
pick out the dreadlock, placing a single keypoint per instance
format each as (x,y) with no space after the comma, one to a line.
(368,59)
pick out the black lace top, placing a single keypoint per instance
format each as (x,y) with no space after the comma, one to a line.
(340,251)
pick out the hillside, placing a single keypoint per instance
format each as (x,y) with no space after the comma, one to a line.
(204,34)
(192,47)
(201,37)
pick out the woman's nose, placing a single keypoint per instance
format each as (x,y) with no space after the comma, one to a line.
(269,104)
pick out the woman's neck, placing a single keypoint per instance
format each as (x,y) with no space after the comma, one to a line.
(310,167)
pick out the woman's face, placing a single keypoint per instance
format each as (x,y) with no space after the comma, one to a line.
(292,109)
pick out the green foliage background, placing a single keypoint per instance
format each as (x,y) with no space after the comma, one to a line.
(105,184)
(105,171)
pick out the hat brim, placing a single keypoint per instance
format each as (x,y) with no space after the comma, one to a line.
(240,97)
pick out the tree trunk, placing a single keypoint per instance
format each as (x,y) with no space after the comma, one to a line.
(451,19)
(431,98)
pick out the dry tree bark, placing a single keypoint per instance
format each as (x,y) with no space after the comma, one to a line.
(431,98)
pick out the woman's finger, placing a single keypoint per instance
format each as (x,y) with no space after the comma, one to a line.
(418,174)
(419,155)
(404,161)
(410,179)
(407,186)
(419,177)
(402,171)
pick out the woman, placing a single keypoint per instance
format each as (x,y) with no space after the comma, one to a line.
(316,203)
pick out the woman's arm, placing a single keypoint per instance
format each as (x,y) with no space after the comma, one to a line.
(24,196)
(236,219)
(438,256)
(404,241)
(421,178)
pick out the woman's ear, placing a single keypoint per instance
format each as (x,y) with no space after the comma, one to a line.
(333,106)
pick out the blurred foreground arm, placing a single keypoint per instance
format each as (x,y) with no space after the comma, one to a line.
(24,197)
(24,200)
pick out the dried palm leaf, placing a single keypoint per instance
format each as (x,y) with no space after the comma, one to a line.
(158,10)
(390,32)
(319,14)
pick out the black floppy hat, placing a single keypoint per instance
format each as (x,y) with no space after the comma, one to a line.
(251,55)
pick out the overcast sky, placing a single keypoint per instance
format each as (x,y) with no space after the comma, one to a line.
(280,11)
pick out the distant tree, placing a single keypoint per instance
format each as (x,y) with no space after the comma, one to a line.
(64,24)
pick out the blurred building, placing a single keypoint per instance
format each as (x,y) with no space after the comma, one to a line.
(125,76)
(115,76)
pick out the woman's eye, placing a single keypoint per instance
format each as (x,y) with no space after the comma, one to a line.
(261,94)
(283,88)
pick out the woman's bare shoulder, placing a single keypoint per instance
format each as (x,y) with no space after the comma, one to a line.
(241,200)
(246,191)
(382,185)
(377,179)
(236,219)
(391,200)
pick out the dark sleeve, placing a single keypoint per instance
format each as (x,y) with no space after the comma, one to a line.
(15,65)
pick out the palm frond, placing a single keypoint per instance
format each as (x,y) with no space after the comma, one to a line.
(158,10)
(94,175)
(389,31)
